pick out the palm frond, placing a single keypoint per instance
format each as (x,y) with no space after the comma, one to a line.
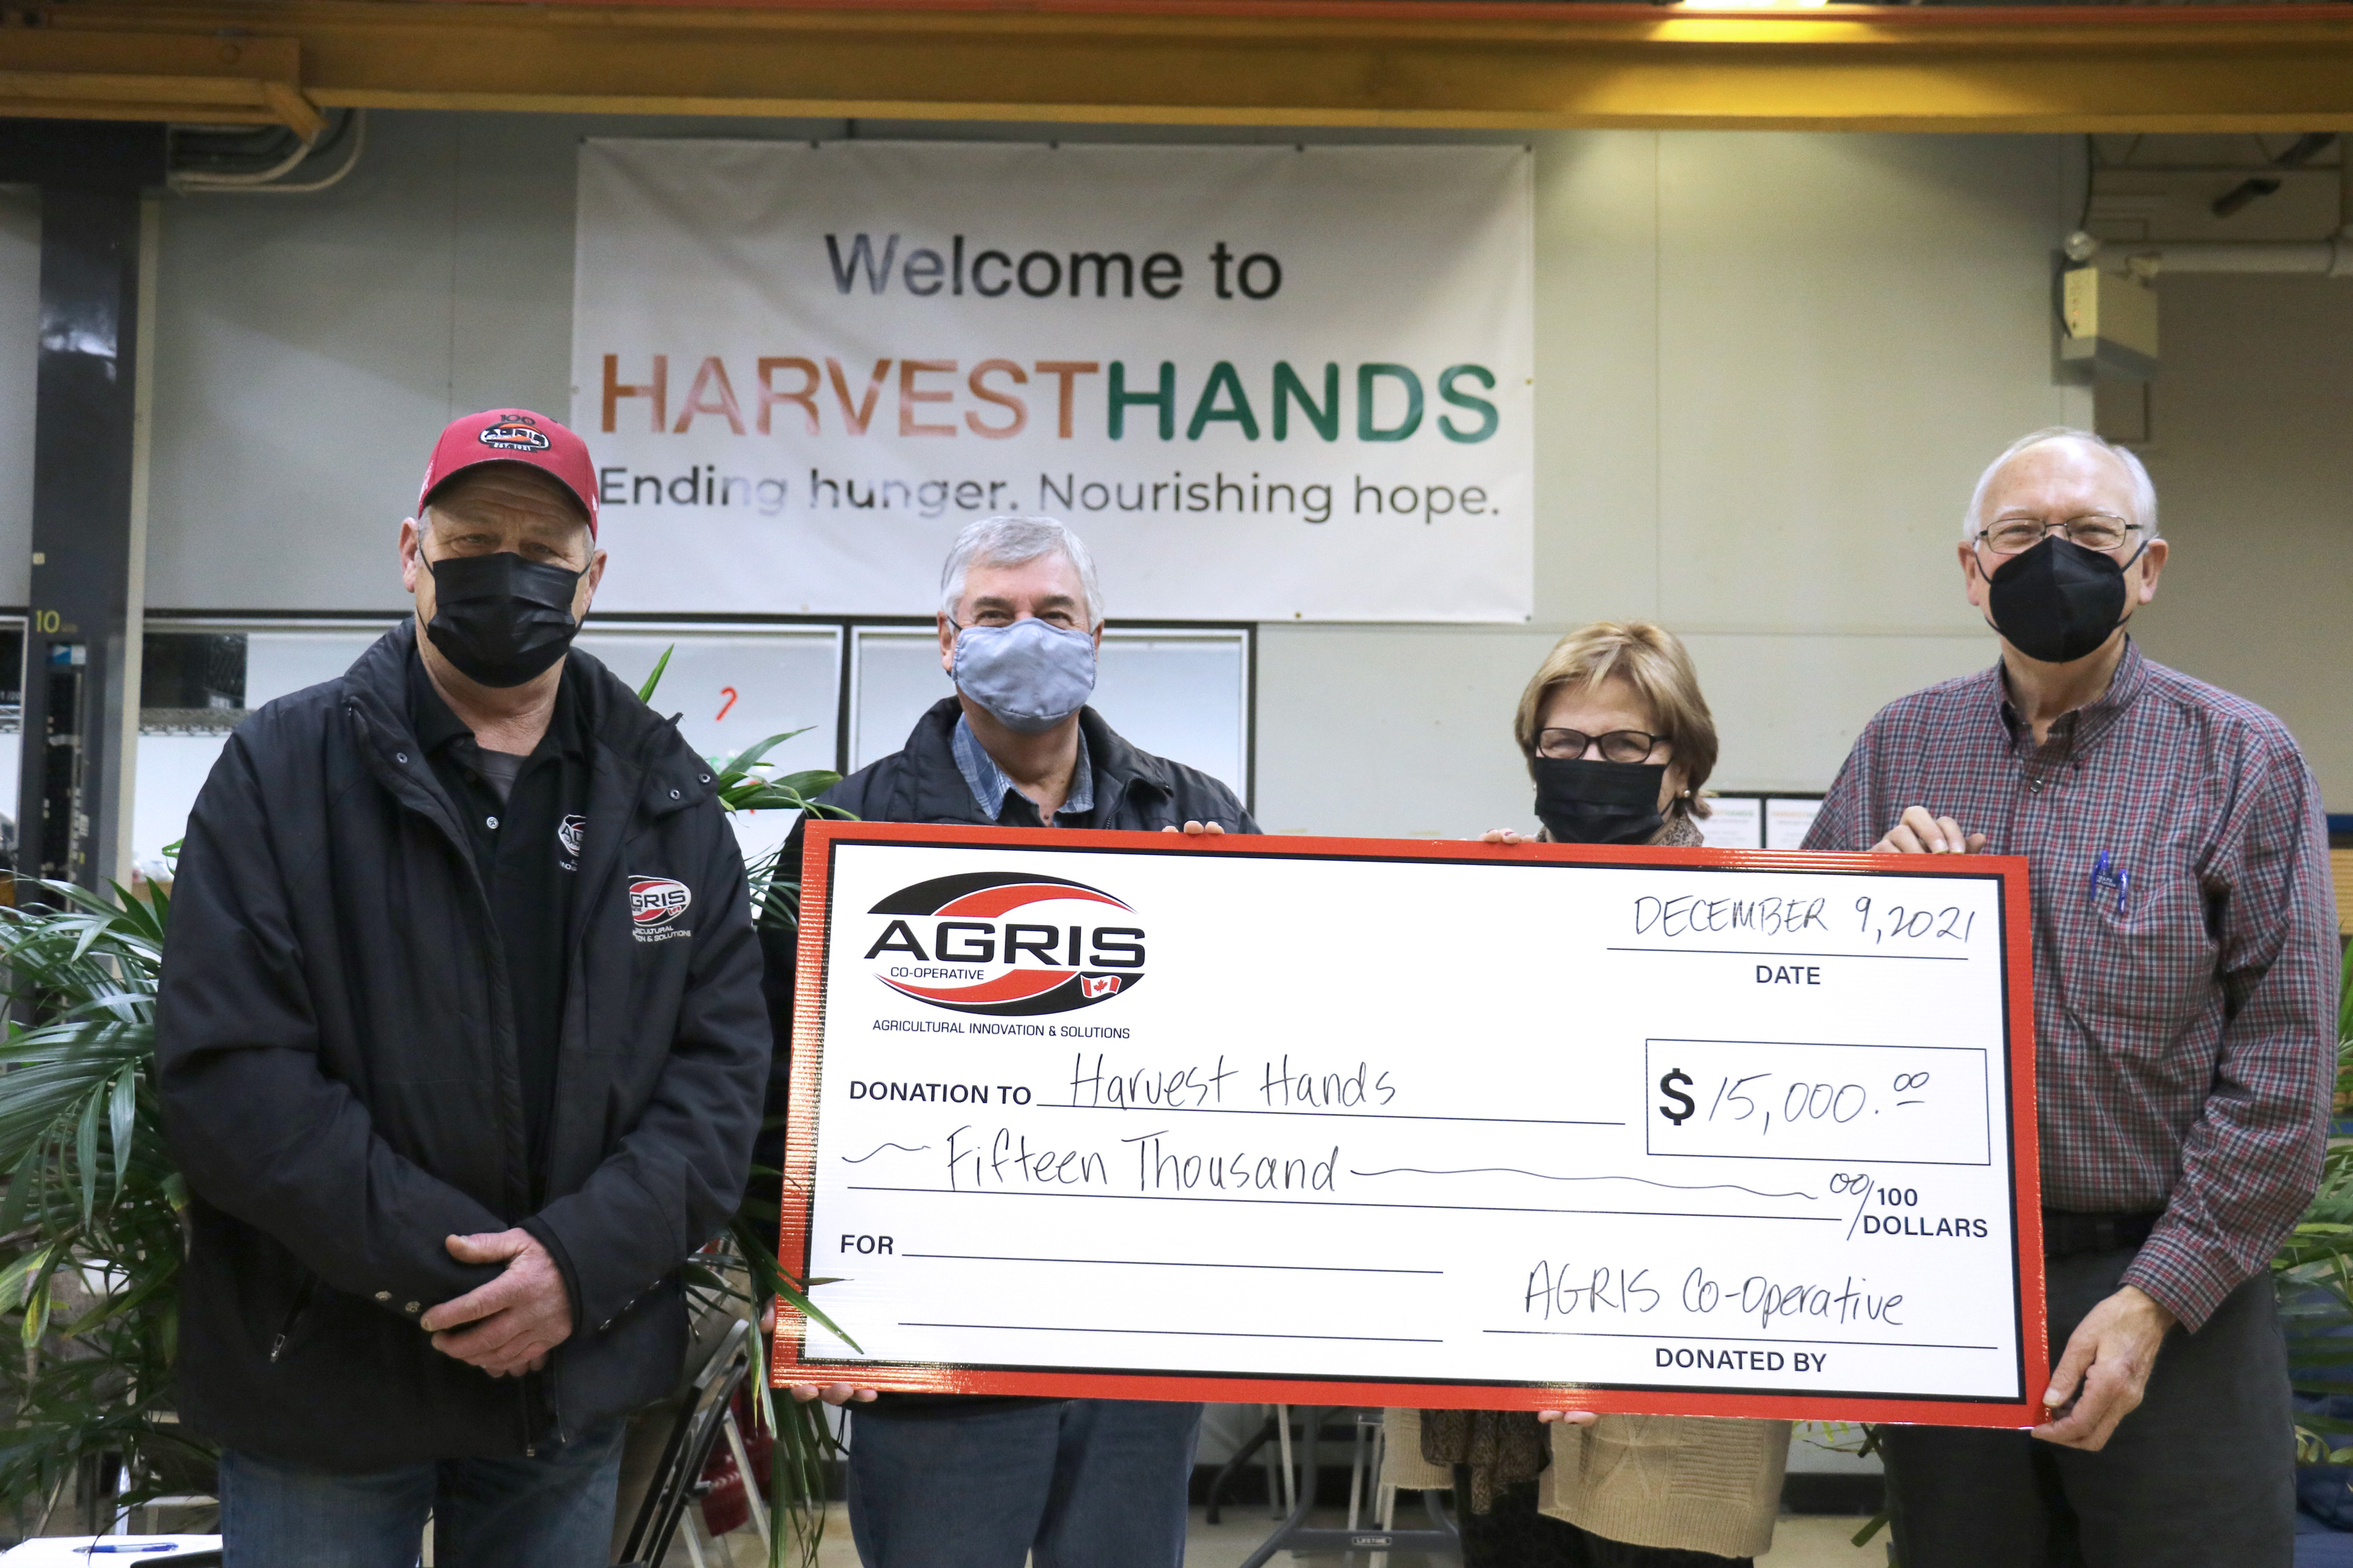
(90,1239)
(646,693)
(2312,1275)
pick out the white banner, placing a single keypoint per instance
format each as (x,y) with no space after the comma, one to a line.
(1263,384)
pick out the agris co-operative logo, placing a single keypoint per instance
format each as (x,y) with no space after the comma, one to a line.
(1006,944)
(655,905)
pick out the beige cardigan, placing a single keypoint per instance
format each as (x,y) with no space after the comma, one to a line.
(1697,1483)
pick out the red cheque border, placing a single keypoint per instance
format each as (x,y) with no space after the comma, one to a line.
(807,1067)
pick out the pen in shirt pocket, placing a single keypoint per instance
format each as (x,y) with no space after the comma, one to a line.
(2113,875)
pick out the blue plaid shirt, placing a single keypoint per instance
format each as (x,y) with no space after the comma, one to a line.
(988,784)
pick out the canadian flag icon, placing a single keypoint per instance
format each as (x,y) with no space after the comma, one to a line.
(1094,986)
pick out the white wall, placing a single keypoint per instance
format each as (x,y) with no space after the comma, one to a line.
(1769,370)
(1769,367)
(308,348)
(2251,427)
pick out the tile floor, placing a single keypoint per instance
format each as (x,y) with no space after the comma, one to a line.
(1810,1541)
(1807,1543)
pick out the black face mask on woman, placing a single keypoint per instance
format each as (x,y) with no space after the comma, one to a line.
(2058,601)
(499,618)
(1599,802)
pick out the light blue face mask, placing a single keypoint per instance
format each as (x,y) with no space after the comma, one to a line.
(1031,675)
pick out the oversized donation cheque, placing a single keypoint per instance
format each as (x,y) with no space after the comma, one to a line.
(1360,1121)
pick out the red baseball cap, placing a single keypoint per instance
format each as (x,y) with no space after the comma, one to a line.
(512,436)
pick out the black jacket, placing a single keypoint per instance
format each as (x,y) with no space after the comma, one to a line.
(1135,791)
(337,1062)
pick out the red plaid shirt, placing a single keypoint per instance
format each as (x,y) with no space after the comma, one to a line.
(2185,946)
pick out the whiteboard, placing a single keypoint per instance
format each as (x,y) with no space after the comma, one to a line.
(1681,1131)
(280,659)
(731,685)
(1183,694)
(1733,822)
(1787,818)
(1743,821)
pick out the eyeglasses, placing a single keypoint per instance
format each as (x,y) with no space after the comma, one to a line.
(2098,531)
(1617,746)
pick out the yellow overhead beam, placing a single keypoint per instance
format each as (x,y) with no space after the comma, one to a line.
(70,74)
(1262,62)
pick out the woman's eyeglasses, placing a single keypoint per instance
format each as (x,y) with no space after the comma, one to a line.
(1616,745)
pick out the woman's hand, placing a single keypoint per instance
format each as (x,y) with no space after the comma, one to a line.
(1199,830)
(1569,1417)
(1501,836)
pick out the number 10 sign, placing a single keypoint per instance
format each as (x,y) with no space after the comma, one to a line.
(1683,1132)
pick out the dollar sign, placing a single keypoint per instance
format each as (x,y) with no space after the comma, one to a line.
(1667,1087)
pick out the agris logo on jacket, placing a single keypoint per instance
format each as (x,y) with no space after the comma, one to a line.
(1006,944)
(655,905)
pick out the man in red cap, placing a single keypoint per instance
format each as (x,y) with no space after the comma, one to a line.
(461,1045)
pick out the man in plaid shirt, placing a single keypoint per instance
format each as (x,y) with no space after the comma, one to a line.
(2185,965)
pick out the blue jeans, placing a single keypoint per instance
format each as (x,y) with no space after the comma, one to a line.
(554,1510)
(1081,1483)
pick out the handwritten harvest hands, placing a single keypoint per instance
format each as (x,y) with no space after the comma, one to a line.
(2104,1370)
(507,1327)
(1918,833)
(832,1393)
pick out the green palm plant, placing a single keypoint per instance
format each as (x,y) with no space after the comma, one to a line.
(2314,1273)
(90,1237)
(91,1233)
(804,1448)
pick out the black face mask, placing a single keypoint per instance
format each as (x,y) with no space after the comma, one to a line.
(1599,802)
(2058,601)
(499,618)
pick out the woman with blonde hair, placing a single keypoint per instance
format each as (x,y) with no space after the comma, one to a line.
(1619,742)
(1617,737)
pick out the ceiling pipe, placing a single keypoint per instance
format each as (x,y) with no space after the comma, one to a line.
(2330,258)
(264,185)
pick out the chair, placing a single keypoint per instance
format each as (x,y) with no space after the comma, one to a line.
(1276,1426)
(1376,1533)
(705,1416)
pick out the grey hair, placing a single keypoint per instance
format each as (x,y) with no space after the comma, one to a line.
(2143,489)
(1010,541)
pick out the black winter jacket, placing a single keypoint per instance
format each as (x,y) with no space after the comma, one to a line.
(340,1083)
(1135,791)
